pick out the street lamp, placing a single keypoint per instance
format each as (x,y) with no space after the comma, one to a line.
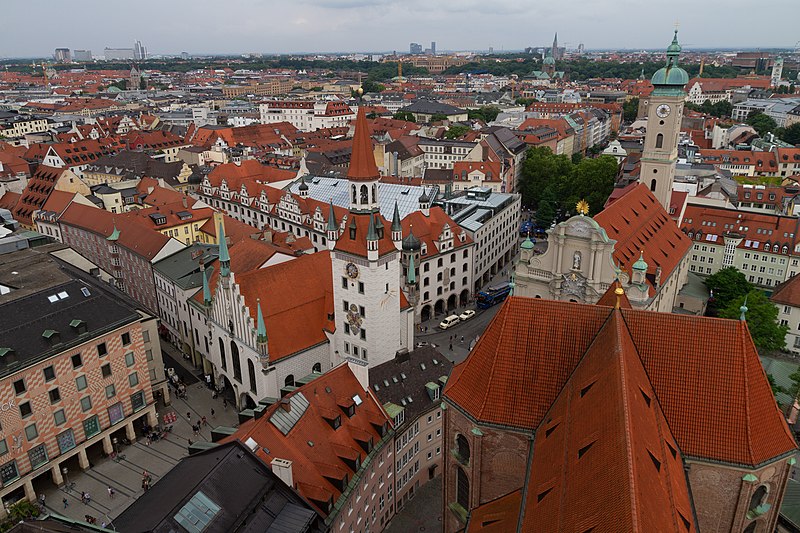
(116,448)
(65,471)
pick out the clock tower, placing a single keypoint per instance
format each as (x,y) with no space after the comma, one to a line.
(664,114)
(371,325)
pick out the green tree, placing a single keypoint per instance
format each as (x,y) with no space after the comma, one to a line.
(791,134)
(546,213)
(725,286)
(541,168)
(404,115)
(630,109)
(371,86)
(456,131)
(438,117)
(762,320)
(592,179)
(485,113)
(761,122)
(524,101)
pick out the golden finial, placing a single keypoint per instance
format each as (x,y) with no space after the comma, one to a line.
(582,207)
(619,291)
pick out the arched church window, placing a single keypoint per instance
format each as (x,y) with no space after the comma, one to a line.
(660,140)
(289,381)
(653,185)
(757,498)
(364,194)
(237,364)
(222,354)
(462,449)
(353,188)
(751,528)
(251,371)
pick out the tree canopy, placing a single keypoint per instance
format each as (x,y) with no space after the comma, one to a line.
(761,317)
(455,131)
(762,123)
(630,109)
(725,286)
(723,108)
(408,116)
(790,134)
(485,113)
(563,181)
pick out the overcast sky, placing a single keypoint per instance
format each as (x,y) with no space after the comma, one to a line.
(36,27)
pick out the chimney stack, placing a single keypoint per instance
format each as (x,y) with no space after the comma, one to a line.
(283,469)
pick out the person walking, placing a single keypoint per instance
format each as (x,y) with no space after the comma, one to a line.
(203,421)
(42,498)
(189,417)
(111,492)
(66,503)
(225,403)
(212,413)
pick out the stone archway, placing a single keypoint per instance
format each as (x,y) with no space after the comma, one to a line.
(464,298)
(246,402)
(425,314)
(451,302)
(438,307)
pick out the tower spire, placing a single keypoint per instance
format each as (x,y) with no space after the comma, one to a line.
(261,328)
(206,290)
(362,160)
(224,256)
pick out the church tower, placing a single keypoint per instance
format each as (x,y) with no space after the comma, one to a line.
(664,114)
(366,270)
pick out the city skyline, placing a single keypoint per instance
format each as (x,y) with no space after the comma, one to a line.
(381,25)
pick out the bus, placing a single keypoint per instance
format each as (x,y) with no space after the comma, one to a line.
(492,295)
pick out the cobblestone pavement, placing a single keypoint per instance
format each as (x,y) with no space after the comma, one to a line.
(423,513)
(125,476)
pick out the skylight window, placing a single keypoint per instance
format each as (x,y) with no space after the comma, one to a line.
(357,400)
(52,298)
(63,295)
(197,514)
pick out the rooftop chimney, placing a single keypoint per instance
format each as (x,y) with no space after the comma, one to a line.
(283,469)
(286,404)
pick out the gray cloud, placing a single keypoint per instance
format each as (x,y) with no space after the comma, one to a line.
(269,26)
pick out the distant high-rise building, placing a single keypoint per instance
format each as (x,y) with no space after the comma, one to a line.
(777,72)
(581,48)
(415,48)
(139,51)
(184,55)
(433,48)
(62,55)
(118,53)
(82,55)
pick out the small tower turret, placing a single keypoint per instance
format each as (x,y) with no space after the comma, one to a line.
(303,188)
(397,228)
(424,203)
(261,338)
(224,256)
(333,227)
(372,240)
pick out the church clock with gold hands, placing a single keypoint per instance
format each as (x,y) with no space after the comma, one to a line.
(663,111)
(351,270)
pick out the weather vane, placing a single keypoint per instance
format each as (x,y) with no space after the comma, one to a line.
(582,207)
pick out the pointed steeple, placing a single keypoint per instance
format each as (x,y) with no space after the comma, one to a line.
(224,256)
(206,290)
(362,160)
(397,227)
(332,224)
(261,328)
(372,235)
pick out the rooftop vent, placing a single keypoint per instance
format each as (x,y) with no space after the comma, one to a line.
(251,444)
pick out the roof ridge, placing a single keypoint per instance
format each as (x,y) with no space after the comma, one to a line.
(663,440)
(502,315)
(617,323)
(743,332)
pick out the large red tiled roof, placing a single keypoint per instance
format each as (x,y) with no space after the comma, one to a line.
(497,516)
(724,84)
(603,457)
(134,236)
(249,170)
(362,160)
(296,300)
(9,200)
(638,222)
(356,243)
(35,194)
(429,228)
(317,451)
(523,360)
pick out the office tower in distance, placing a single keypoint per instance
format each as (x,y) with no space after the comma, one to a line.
(62,55)
(415,48)
(82,55)
(139,51)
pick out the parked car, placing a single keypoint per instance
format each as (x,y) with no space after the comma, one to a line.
(449,322)
(466,315)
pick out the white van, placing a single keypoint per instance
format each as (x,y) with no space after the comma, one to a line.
(450,321)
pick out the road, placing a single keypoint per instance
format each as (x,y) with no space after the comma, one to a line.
(470,330)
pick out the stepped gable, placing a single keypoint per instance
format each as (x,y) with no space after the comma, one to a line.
(523,360)
(603,456)
(638,222)
(294,300)
(362,160)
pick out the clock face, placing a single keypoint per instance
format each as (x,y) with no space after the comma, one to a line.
(351,270)
(663,110)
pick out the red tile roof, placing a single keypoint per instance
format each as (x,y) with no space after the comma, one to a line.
(356,242)
(296,299)
(497,516)
(9,200)
(515,373)
(788,292)
(604,456)
(134,236)
(318,451)
(362,160)
(429,228)
(248,171)
(170,212)
(35,194)
(638,222)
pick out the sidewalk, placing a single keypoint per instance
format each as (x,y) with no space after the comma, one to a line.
(125,476)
